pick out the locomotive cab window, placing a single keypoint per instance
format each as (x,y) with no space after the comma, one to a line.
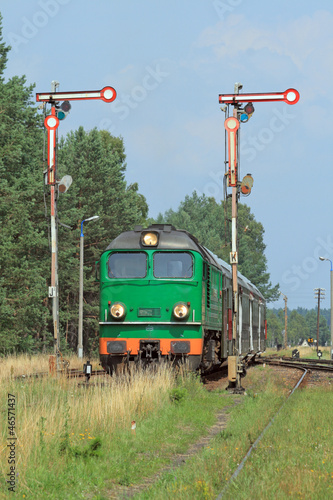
(127,265)
(173,265)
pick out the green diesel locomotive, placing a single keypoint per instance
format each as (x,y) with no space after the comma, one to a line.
(164,296)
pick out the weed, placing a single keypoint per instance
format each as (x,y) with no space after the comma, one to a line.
(91,450)
(41,432)
(225,435)
(64,446)
(178,395)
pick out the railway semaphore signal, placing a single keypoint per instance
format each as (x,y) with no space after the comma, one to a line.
(232,125)
(290,96)
(107,94)
(51,122)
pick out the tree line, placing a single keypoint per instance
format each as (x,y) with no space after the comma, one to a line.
(301,325)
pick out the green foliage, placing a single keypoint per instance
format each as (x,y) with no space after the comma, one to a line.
(302,324)
(298,328)
(90,450)
(275,326)
(209,221)
(23,238)
(311,319)
(178,394)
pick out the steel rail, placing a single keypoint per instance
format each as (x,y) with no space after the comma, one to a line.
(318,361)
(296,363)
(254,445)
(70,373)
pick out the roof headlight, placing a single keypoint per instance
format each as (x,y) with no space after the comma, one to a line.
(118,310)
(181,310)
(149,239)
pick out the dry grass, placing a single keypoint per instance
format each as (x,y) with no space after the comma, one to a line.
(305,352)
(25,364)
(48,408)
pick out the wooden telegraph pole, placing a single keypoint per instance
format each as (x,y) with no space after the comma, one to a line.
(51,122)
(285,298)
(232,126)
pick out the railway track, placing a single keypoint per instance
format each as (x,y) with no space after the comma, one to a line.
(69,373)
(309,364)
(277,362)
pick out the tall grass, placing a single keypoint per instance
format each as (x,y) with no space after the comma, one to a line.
(55,413)
(26,364)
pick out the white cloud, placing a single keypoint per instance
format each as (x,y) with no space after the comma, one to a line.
(304,40)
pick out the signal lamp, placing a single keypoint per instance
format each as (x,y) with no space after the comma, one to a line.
(181,310)
(149,239)
(118,310)
(246,185)
(247,112)
(63,109)
(65,183)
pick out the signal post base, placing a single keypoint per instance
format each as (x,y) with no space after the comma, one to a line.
(234,376)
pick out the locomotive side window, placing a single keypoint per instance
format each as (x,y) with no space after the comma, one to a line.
(127,265)
(173,265)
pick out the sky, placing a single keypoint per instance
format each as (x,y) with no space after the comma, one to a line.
(169,60)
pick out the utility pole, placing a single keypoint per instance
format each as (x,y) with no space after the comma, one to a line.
(51,122)
(320,295)
(285,298)
(232,125)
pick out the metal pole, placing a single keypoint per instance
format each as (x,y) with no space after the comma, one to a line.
(54,269)
(80,337)
(80,333)
(318,319)
(331,272)
(54,242)
(234,268)
(285,321)
(233,361)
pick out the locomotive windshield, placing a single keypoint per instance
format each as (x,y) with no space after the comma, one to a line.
(127,265)
(173,265)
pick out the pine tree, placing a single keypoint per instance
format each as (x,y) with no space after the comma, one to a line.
(23,243)
(208,221)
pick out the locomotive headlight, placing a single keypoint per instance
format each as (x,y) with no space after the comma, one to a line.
(181,310)
(118,310)
(149,239)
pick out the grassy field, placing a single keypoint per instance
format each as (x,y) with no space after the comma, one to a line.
(74,442)
(304,352)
